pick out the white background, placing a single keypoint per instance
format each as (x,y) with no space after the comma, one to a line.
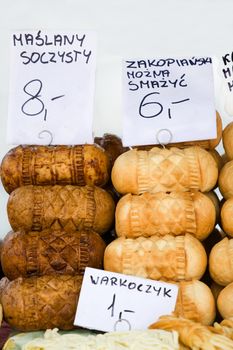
(125,28)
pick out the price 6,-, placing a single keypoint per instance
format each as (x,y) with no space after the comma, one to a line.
(151,108)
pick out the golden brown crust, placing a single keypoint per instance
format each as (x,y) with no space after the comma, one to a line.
(208,170)
(225,301)
(225,327)
(193,334)
(195,302)
(164,170)
(41,302)
(227,216)
(162,213)
(55,165)
(215,200)
(205,214)
(221,262)
(228,322)
(227,140)
(166,258)
(51,252)
(225,180)
(72,208)
(218,158)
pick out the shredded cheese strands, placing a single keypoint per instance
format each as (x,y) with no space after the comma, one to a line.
(132,340)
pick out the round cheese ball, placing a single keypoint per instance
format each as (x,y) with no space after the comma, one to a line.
(225,301)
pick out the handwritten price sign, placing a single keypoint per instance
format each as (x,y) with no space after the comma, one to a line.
(173,95)
(52,88)
(115,302)
(225,68)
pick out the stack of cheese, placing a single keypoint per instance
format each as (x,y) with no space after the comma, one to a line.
(58,213)
(162,217)
(221,256)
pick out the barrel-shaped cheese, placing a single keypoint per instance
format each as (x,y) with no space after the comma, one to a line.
(38,303)
(160,258)
(225,302)
(195,302)
(227,216)
(34,208)
(216,202)
(225,180)
(221,262)
(55,165)
(35,253)
(162,213)
(165,170)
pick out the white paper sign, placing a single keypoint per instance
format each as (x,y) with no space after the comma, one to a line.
(115,302)
(227,75)
(168,100)
(52,87)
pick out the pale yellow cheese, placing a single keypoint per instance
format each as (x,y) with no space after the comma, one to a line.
(132,340)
